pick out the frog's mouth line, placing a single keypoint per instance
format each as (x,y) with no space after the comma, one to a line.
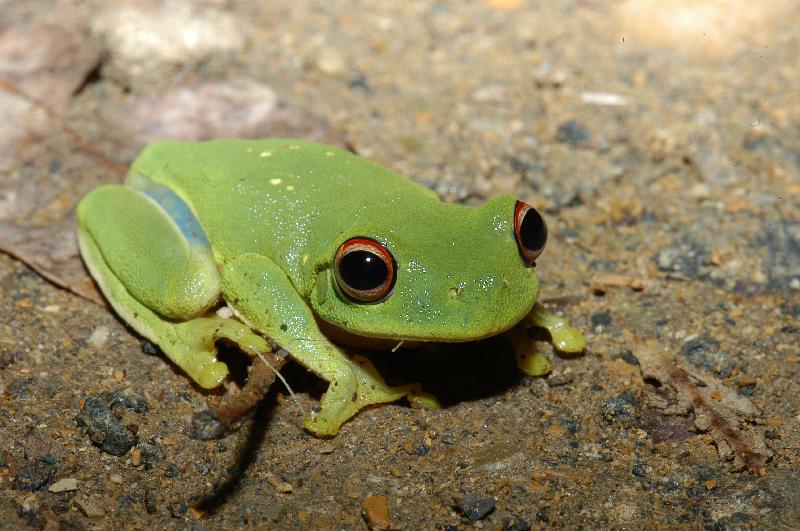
(347,338)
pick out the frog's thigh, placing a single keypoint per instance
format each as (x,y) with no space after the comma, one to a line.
(152,277)
(261,293)
(147,251)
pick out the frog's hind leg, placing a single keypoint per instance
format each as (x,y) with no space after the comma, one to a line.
(157,272)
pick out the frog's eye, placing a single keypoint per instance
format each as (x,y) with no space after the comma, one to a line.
(365,269)
(530,231)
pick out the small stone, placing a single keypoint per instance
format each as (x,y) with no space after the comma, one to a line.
(375,510)
(710,484)
(330,61)
(116,479)
(515,523)
(37,446)
(561,376)
(619,407)
(704,351)
(601,319)
(326,448)
(102,425)
(33,476)
(151,501)
(89,508)
(99,337)
(573,133)
(475,507)
(206,425)
(136,457)
(148,38)
(489,94)
(64,485)
(281,486)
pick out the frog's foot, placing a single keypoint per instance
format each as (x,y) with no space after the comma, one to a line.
(565,337)
(529,361)
(354,387)
(193,346)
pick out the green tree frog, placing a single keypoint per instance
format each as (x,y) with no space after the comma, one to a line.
(300,243)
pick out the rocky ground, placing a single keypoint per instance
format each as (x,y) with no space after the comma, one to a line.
(661,139)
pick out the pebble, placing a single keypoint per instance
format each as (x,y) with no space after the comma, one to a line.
(116,479)
(33,476)
(326,448)
(573,133)
(475,507)
(104,428)
(601,319)
(99,337)
(46,61)
(375,510)
(147,37)
(330,61)
(64,485)
(619,407)
(89,508)
(560,376)
(283,487)
(704,352)
(151,500)
(604,98)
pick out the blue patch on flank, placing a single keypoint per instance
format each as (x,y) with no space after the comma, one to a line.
(174,206)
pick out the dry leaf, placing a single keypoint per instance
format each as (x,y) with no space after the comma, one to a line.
(725,415)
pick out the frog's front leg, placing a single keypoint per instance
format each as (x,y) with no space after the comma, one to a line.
(565,338)
(262,296)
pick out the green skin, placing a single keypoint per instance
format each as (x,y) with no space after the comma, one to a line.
(257,224)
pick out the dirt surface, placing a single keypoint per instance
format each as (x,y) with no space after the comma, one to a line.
(661,139)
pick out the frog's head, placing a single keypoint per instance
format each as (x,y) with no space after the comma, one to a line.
(436,272)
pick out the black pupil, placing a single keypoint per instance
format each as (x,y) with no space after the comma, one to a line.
(532,231)
(362,270)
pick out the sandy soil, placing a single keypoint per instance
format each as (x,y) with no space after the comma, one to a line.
(661,139)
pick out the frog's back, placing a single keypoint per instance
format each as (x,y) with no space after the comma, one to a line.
(265,195)
(307,168)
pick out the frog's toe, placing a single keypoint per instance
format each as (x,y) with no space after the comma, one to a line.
(568,339)
(319,425)
(533,363)
(211,375)
(421,400)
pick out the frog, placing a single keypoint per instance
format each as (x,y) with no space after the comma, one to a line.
(310,248)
